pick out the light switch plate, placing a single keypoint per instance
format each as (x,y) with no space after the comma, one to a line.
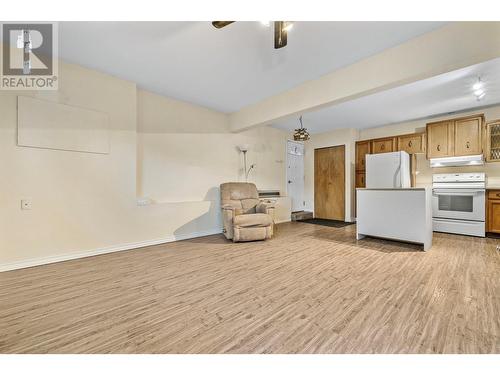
(25,204)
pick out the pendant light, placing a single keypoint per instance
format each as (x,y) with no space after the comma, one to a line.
(301,134)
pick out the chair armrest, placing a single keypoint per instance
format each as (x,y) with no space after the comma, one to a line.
(264,207)
(230,208)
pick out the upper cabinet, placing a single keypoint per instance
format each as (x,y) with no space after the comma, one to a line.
(458,137)
(362,148)
(440,139)
(468,136)
(493,141)
(412,143)
(382,145)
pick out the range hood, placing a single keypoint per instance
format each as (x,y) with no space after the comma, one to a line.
(457,161)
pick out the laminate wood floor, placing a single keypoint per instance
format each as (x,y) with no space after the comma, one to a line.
(311,289)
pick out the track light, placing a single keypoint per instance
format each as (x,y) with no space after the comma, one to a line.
(477,85)
(478,89)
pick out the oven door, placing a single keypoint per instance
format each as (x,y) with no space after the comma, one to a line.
(460,204)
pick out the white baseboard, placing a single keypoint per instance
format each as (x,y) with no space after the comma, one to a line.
(110,249)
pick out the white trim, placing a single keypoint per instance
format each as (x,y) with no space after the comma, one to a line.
(287,177)
(110,249)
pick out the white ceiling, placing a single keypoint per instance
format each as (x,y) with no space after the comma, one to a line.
(230,68)
(442,94)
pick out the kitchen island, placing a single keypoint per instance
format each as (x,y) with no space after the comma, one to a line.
(397,214)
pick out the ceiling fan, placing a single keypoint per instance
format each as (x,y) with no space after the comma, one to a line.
(281,29)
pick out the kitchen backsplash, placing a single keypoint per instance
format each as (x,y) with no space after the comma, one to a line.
(425,172)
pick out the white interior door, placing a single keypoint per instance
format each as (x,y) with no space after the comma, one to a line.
(295,174)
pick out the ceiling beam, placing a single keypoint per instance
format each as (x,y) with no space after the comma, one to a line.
(448,48)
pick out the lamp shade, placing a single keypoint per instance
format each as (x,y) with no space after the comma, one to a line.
(243,148)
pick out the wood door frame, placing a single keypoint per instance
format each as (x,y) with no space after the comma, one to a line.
(344,146)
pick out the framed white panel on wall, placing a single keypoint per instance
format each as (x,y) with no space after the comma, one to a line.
(51,125)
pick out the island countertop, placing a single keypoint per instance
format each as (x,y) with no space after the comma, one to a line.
(397,189)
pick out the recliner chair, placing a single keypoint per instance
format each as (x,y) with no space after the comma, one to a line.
(245,217)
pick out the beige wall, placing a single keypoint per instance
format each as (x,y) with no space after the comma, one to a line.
(87,203)
(177,164)
(80,200)
(159,114)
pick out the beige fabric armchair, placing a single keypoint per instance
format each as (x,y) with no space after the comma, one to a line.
(245,217)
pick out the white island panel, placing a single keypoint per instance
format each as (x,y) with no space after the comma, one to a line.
(397,214)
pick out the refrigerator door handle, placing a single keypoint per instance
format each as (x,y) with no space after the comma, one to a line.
(395,178)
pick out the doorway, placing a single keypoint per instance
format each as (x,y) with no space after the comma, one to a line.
(329,183)
(295,174)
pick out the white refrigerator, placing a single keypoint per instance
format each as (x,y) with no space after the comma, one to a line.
(388,170)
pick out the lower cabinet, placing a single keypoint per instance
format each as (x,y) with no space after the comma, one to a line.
(493,211)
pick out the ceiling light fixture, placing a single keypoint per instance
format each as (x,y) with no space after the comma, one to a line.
(480,96)
(301,134)
(281,29)
(288,26)
(478,89)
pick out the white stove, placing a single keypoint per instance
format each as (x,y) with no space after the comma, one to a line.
(458,203)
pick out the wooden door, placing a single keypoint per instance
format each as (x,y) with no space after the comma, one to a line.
(362,148)
(440,139)
(329,183)
(380,146)
(468,136)
(411,143)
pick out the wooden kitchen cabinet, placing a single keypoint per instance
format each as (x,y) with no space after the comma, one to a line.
(440,139)
(362,149)
(382,145)
(493,211)
(412,143)
(493,141)
(456,137)
(360,179)
(468,136)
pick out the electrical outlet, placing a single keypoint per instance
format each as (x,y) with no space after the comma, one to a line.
(25,204)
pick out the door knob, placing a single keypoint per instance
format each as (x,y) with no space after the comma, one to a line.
(467,144)
(289,181)
(439,147)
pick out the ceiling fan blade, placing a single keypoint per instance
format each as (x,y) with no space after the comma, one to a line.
(221,24)
(280,34)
